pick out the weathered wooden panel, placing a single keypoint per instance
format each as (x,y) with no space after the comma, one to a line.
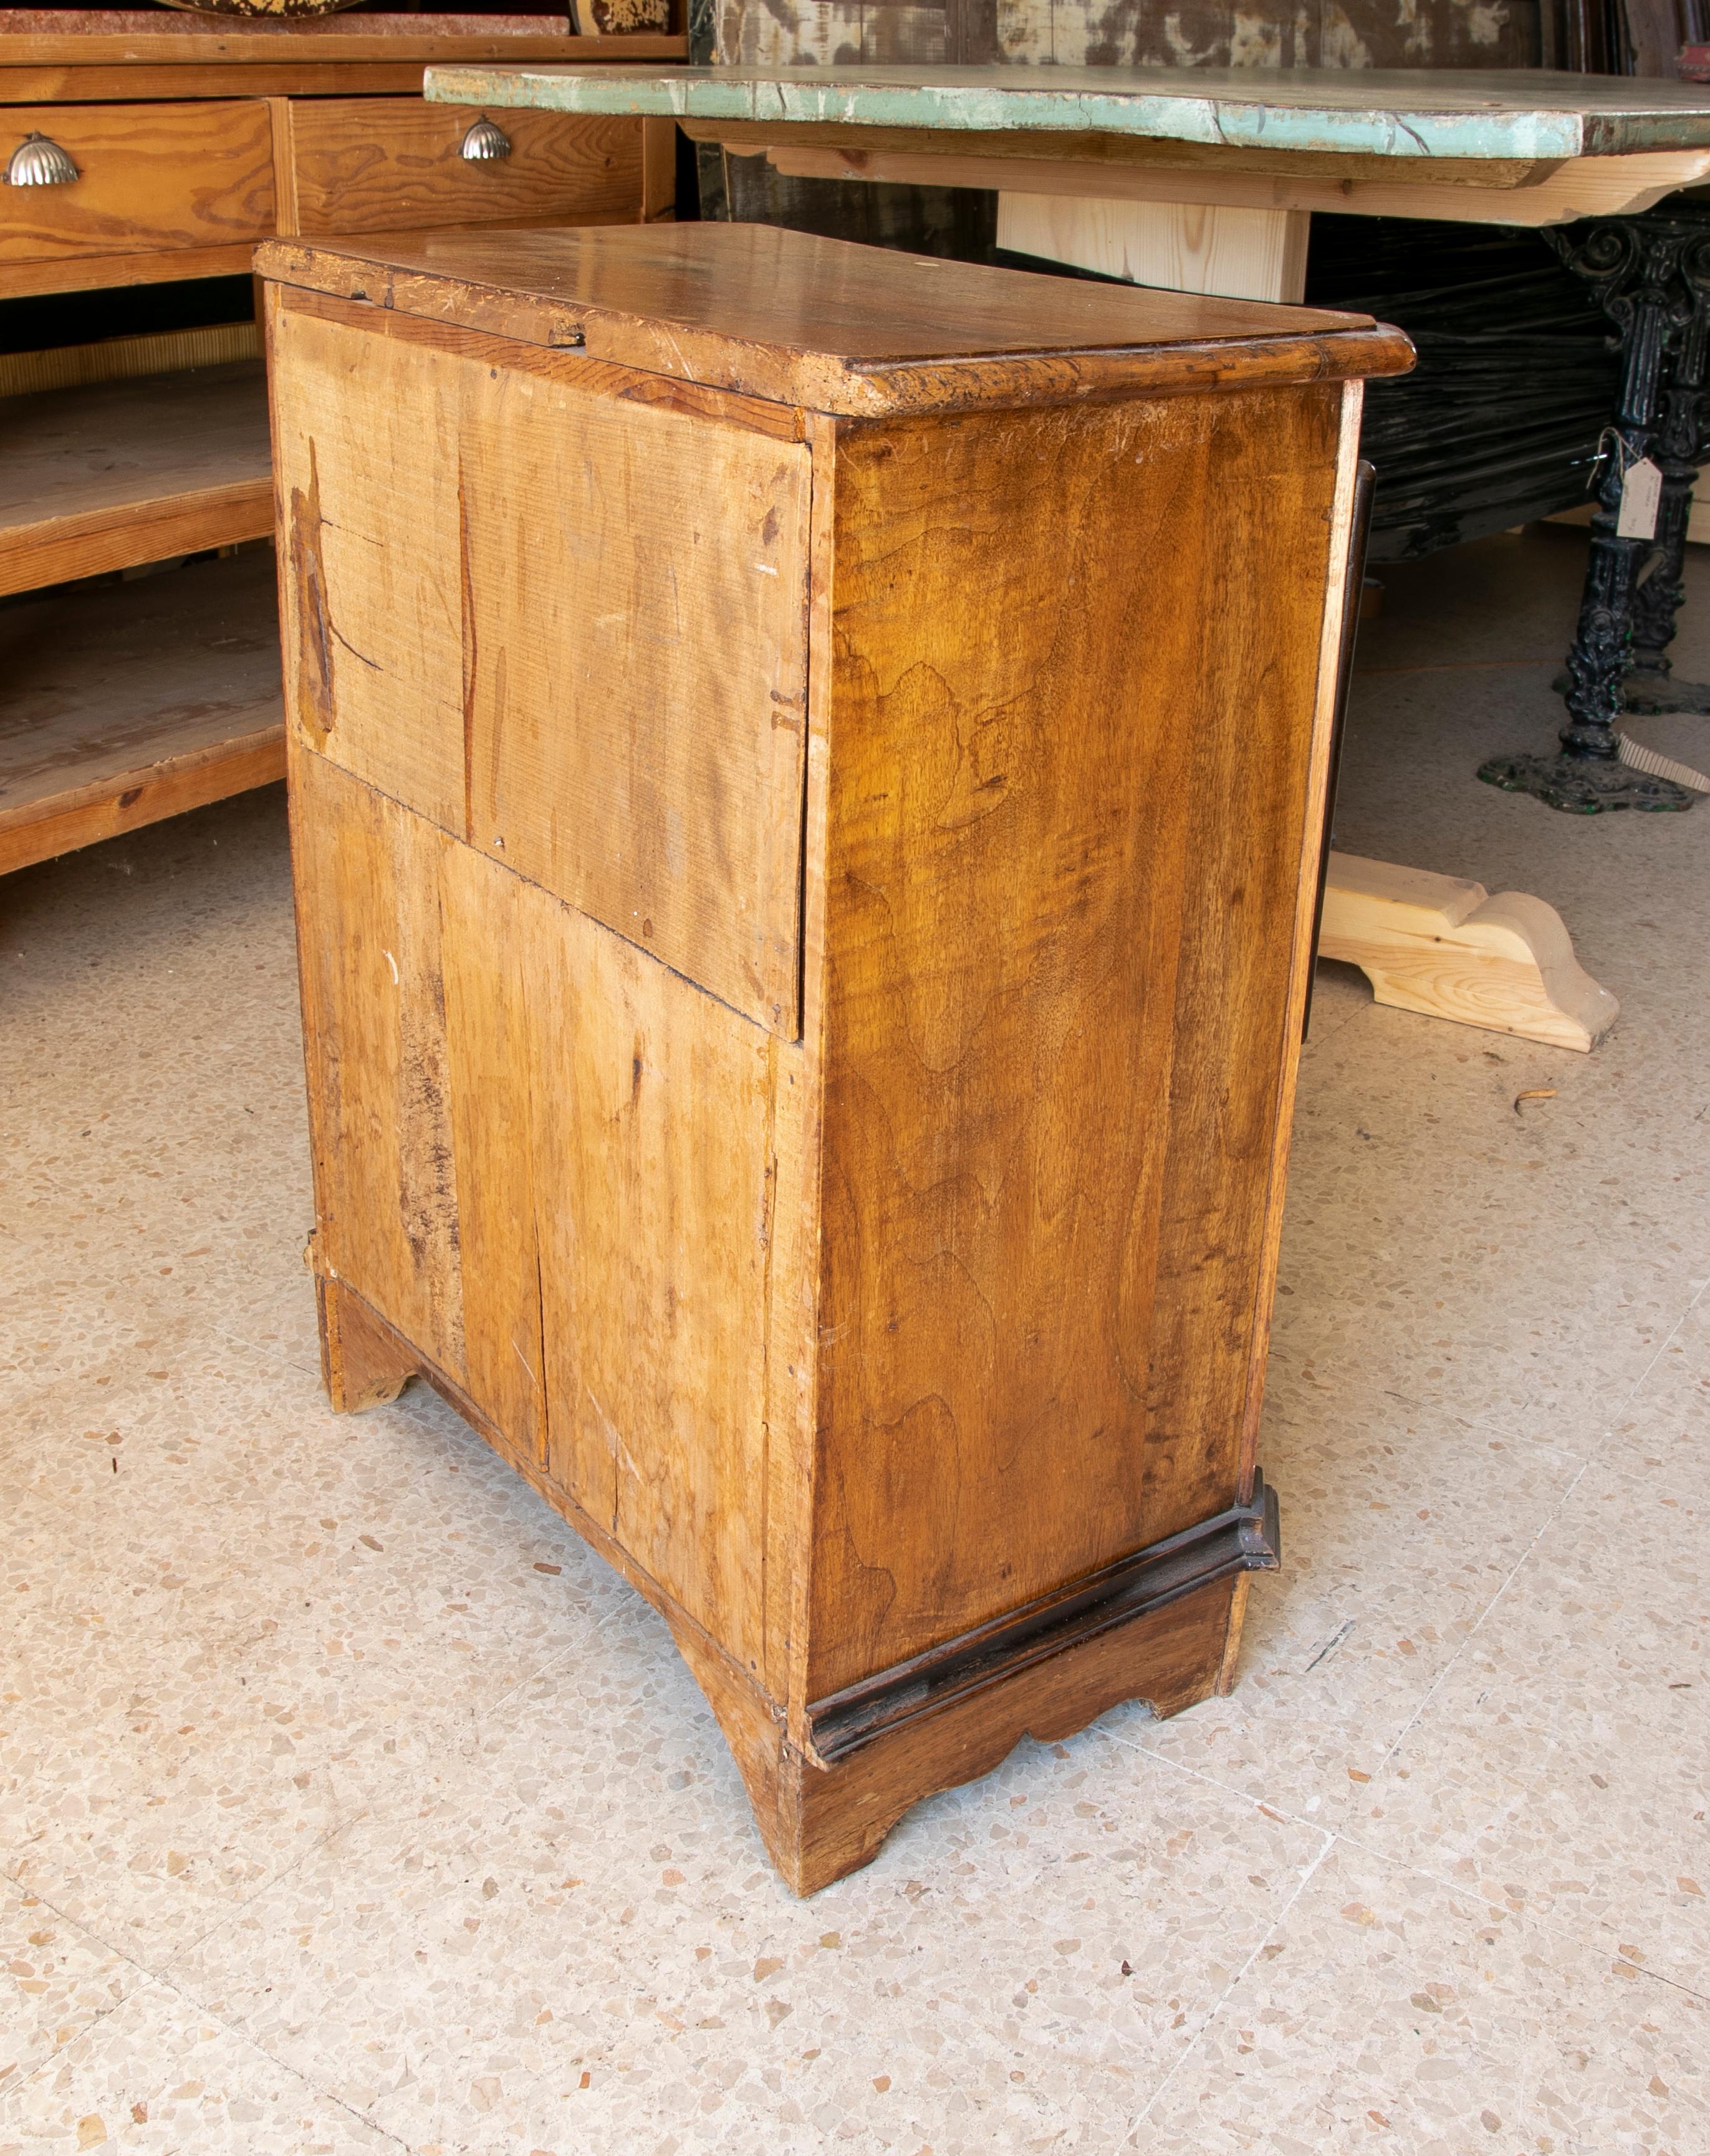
(567,626)
(510,1111)
(373,987)
(1061,876)
(488,971)
(365,471)
(650,1109)
(635,658)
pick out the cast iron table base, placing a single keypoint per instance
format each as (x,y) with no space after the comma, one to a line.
(1650,272)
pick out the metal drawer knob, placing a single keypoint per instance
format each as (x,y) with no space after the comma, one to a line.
(37,162)
(485,139)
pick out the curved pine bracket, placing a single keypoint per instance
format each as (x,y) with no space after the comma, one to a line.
(1445,947)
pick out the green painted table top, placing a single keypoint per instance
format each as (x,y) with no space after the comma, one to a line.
(1388,113)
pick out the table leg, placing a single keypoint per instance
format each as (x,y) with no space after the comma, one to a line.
(1429,943)
(1181,246)
(1651,274)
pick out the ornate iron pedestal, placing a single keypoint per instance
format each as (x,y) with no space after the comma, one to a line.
(1651,274)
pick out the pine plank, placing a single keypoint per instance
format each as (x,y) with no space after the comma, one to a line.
(567,626)
(374,164)
(115,474)
(125,704)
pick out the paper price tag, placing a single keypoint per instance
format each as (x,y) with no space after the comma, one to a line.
(1641,495)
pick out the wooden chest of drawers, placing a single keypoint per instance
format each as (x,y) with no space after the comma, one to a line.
(174,189)
(807,777)
(171,146)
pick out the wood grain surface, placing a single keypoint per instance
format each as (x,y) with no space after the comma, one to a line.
(117,473)
(148,176)
(1191,246)
(508,1108)
(118,359)
(832,326)
(868,152)
(373,164)
(90,273)
(106,82)
(567,626)
(124,706)
(1061,901)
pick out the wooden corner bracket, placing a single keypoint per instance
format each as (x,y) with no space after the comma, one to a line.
(1443,947)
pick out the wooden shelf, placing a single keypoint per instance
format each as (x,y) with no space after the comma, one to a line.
(115,474)
(127,703)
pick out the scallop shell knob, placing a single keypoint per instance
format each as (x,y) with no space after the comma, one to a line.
(37,162)
(486,139)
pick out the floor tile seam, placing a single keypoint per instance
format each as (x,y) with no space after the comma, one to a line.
(53,2057)
(93,1939)
(1290,1817)
(160,1975)
(1543,1919)
(230,1912)
(1477,1627)
(326,2095)
(1306,1874)
(1518,1435)
(151,1979)
(1607,1439)
(1317,1038)
(164,1983)
(269,1360)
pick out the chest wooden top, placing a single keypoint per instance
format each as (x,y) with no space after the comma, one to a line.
(832,326)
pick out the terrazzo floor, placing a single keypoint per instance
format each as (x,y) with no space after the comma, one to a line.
(349,1805)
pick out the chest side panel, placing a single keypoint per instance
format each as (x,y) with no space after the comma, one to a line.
(547,1160)
(1072,716)
(565,624)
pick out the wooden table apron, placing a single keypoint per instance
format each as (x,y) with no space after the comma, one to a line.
(1205,181)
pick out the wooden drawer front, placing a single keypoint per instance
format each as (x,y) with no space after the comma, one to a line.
(377,164)
(569,628)
(148,176)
